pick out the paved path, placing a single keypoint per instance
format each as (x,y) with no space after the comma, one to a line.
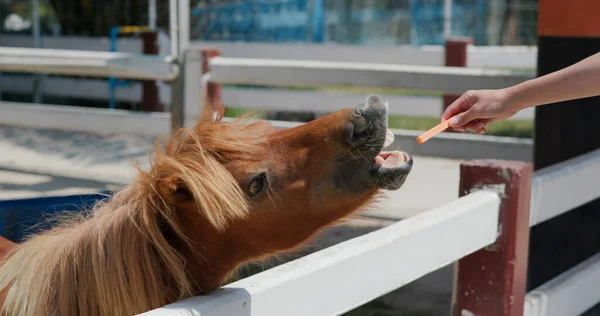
(38,162)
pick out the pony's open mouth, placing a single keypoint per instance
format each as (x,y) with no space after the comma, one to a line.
(390,159)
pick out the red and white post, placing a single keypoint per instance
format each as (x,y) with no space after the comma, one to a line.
(456,54)
(492,281)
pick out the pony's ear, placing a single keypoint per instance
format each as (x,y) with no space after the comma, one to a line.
(174,189)
(212,111)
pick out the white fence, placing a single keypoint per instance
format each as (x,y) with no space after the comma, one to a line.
(379,262)
(556,190)
(347,275)
(433,239)
(289,73)
(93,64)
(273,99)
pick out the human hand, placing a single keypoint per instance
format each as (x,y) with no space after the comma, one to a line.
(477,108)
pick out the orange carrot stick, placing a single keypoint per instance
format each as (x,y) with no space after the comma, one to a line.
(432,132)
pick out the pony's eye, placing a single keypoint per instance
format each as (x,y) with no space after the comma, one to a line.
(257,185)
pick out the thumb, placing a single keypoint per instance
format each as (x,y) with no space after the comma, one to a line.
(462,118)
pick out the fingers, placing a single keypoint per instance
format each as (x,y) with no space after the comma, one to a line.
(477,126)
(463,103)
(462,119)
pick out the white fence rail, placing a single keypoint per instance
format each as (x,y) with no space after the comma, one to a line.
(80,63)
(565,186)
(478,56)
(556,190)
(317,73)
(448,145)
(347,275)
(569,294)
(513,57)
(97,44)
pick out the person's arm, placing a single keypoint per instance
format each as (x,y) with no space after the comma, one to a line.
(577,81)
(477,108)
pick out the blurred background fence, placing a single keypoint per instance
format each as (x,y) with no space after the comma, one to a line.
(123,26)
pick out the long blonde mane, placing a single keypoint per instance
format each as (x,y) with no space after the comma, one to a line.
(115,259)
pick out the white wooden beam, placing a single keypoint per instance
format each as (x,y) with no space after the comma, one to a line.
(564,186)
(569,294)
(352,273)
(432,55)
(82,63)
(458,146)
(89,89)
(83,119)
(318,73)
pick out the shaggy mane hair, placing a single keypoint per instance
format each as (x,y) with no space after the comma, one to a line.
(115,259)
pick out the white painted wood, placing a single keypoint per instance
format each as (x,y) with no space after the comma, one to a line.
(124,44)
(325,101)
(524,57)
(448,145)
(329,101)
(84,119)
(318,73)
(94,89)
(246,98)
(349,274)
(80,63)
(564,186)
(569,294)
(478,56)
(193,90)
(403,54)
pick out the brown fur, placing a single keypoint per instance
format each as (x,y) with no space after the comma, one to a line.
(182,227)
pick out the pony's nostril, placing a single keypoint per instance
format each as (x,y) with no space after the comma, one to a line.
(375,102)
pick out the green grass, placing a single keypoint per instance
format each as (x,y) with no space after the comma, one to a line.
(509,128)
(349,89)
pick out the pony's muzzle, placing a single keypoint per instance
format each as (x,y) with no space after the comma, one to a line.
(393,177)
(376,103)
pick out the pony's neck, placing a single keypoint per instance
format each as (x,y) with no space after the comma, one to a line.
(210,256)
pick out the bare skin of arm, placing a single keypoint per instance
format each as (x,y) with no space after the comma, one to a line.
(477,108)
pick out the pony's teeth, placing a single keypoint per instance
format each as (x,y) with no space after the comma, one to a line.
(389,138)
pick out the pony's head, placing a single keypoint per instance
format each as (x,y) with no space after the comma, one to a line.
(242,190)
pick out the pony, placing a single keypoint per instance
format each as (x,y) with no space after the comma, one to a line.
(216,196)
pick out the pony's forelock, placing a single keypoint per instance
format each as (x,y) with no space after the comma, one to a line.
(195,157)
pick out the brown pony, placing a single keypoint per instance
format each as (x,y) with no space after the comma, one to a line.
(217,196)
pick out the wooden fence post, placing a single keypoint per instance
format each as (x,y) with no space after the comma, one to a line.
(150,99)
(456,54)
(213,89)
(492,281)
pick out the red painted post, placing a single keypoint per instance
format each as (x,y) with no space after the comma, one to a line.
(150,99)
(456,51)
(213,90)
(492,281)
